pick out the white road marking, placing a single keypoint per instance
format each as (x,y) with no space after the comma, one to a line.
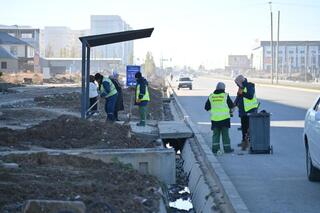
(290,123)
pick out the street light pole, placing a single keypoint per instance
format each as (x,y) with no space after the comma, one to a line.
(271,43)
(277,49)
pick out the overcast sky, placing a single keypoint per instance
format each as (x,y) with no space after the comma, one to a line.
(191,32)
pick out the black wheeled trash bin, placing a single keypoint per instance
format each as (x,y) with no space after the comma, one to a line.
(259,133)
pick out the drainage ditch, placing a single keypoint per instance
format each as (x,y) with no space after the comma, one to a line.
(179,195)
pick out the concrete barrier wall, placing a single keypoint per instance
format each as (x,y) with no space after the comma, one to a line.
(158,162)
(203,199)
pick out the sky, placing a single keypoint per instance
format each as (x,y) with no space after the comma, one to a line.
(191,32)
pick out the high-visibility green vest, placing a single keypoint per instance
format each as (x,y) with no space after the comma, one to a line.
(219,107)
(249,103)
(113,89)
(145,97)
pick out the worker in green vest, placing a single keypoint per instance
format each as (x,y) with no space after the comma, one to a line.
(246,102)
(220,106)
(109,92)
(142,97)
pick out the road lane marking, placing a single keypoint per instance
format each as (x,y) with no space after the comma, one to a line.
(285,123)
(263,84)
(288,87)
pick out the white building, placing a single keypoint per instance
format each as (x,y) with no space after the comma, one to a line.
(61,42)
(238,63)
(294,56)
(101,24)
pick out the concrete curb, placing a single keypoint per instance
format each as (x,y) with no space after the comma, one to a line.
(158,162)
(233,199)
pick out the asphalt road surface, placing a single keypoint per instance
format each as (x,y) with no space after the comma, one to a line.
(274,183)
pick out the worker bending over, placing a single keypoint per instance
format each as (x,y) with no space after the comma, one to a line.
(107,90)
(247,103)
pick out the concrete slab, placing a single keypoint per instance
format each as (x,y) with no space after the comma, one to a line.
(54,206)
(150,130)
(157,162)
(174,130)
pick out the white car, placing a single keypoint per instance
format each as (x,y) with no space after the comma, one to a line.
(184,82)
(312,141)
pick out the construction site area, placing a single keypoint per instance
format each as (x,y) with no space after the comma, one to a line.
(51,158)
(43,117)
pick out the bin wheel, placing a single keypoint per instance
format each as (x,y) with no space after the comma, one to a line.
(271,149)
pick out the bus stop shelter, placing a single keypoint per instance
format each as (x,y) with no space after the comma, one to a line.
(99,40)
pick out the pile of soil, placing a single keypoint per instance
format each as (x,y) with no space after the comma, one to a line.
(67,132)
(69,178)
(154,106)
(66,100)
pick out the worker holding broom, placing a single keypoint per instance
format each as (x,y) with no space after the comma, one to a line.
(109,92)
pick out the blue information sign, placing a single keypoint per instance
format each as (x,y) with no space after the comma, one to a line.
(131,71)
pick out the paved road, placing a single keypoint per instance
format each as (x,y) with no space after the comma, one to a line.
(267,183)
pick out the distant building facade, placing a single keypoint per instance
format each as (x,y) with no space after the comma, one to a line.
(101,24)
(24,33)
(56,66)
(16,55)
(29,35)
(294,56)
(8,62)
(61,42)
(238,63)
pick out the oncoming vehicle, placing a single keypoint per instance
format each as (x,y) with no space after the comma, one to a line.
(184,82)
(312,141)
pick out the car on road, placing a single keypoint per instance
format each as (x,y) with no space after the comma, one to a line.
(312,141)
(184,82)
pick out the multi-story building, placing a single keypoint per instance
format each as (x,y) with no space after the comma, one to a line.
(101,24)
(61,42)
(238,63)
(16,55)
(293,56)
(24,33)
(29,35)
(56,42)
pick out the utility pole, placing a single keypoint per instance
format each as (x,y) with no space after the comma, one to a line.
(277,49)
(271,43)
(306,62)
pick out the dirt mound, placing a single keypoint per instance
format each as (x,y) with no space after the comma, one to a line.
(102,187)
(71,132)
(66,100)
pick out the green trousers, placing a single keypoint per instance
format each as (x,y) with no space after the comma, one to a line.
(224,131)
(143,113)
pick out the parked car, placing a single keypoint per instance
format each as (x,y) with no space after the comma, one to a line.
(184,82)
(312,141)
